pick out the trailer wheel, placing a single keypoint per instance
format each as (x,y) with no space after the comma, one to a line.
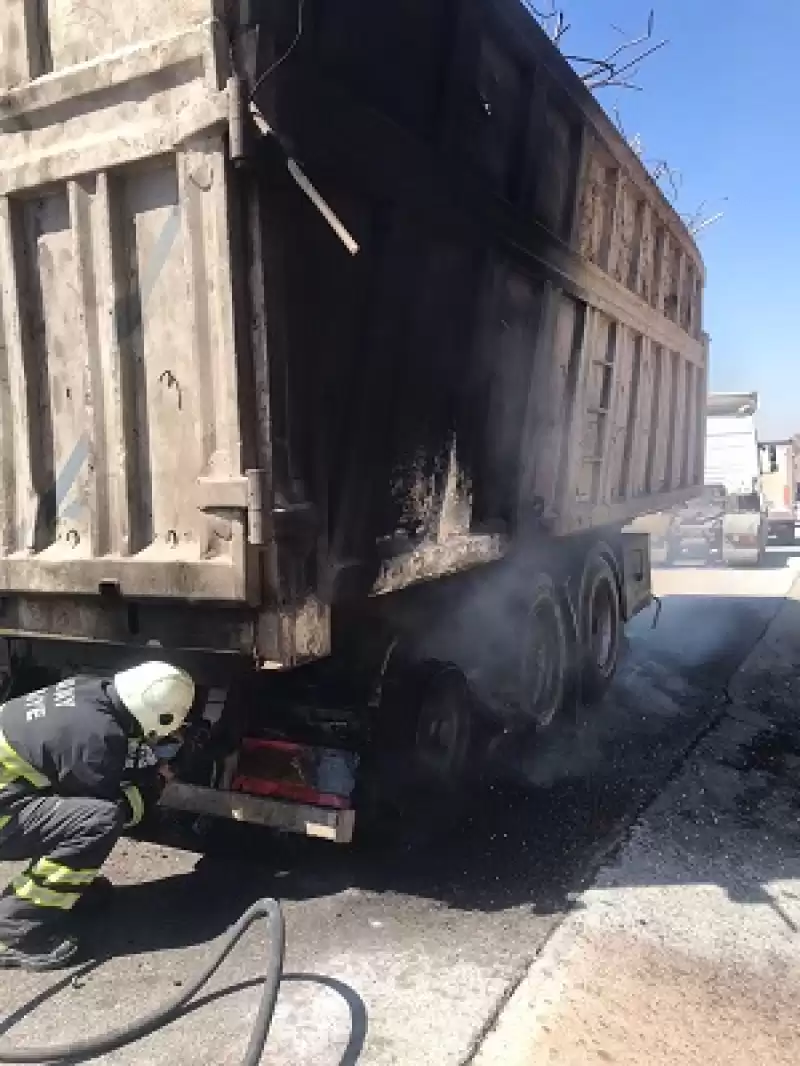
(545,660)
(600,627)
(443,735)
(413,787)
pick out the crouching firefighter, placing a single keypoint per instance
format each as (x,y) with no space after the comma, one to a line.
(78,765)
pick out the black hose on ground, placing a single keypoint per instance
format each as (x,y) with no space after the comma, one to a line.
(157,1019)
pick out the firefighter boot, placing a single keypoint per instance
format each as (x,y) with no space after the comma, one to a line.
(39,952)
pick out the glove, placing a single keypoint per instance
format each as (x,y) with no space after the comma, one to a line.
(140,756)
(143,783)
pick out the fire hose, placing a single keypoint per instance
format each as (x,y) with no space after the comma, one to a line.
(92,1047)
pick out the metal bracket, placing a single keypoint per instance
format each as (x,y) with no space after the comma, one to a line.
(252,493)
(258,509)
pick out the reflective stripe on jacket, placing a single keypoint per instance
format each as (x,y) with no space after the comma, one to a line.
(15,770)
(73,739)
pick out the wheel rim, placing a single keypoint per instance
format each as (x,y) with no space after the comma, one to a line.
(602,635)
(543,668)
(442,735)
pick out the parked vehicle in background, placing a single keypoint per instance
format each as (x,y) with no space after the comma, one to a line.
(727,521)
(334,367)
(779,469)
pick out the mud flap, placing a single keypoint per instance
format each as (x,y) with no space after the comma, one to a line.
(637,592)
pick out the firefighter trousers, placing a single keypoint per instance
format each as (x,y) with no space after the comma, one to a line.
(67,840)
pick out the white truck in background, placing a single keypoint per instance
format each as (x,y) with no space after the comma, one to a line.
(728,521)
(778,481)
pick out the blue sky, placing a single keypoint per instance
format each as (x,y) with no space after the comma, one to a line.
(719,105)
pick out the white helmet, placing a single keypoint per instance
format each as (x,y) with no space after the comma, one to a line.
(159,697)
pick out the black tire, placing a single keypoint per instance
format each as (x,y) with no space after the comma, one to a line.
(544,666)
(600,626)
(414,784)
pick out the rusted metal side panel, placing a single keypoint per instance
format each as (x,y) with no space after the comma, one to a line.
(644,435)
(122,465)
(620,414)
(657,473)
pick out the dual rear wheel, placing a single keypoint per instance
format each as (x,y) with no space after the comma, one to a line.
(573,650)
(566,656)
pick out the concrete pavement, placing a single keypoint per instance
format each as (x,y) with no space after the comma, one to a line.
(408,957)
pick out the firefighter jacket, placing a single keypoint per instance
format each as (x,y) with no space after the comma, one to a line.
(75,739)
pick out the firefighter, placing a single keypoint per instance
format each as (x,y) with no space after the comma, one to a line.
(77,767)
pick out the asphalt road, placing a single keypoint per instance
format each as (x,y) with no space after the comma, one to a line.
(685,948)
(405,956)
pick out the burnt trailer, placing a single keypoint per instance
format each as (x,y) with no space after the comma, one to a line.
(341,341)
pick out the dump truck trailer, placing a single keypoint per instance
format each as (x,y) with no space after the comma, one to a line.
(341,343)
(778,482)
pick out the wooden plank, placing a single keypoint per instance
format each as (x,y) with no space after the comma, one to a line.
(644,424)
(610,252)
(700,387)
(635,265)
(319,822)
(629,469)
(644,281)
(574,409)
(593,197)
(690,432)
(680,282)
(577,179)
(559,402)
(540,445)
(618,416)
(659,425)
(623,245)
(660,268)
(679,421)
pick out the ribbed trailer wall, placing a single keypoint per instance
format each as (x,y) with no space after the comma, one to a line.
(206,399)
(120,401)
